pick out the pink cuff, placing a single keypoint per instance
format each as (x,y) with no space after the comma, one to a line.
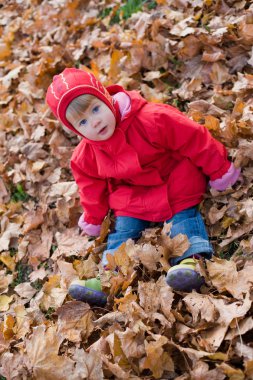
(228,179)
(89,229)
(124,103)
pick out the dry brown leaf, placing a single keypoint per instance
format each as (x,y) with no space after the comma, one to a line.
(86,268)
(201,307)
(67,273)
(25,290)
(231,372)
(241,328)
(201,372)
(157,360)
(115,369)
(5,281)
(4,195)
(149,296)
(225,277)
(249,368)
(121,259)
(75,321)
(148,255)
(132,342)
(23,322)
(70,243)
(42,355)
(51,294)
(88,365)
(12,230)
(111,318)
(12,366)
(39,274)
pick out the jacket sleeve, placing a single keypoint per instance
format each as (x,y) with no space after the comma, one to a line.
(93,195)
(178,133)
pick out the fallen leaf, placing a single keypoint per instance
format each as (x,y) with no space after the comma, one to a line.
(5,302)
(25,290)
(75,321)
(42,357)
(225,277)
(132,342)
(88,365)
(157,360)
(201,372)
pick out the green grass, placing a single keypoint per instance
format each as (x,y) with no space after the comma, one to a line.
(22,275)
(18,194)
(127,10)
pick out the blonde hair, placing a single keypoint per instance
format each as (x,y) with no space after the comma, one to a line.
(77,107)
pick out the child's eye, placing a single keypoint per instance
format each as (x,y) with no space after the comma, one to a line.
(83,122)
(95,109)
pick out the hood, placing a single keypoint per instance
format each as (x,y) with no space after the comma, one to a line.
(70,84)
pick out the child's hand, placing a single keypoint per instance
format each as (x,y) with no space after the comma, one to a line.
(87,228)
(228,179)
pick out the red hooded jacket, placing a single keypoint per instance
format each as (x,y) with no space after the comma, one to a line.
(155,164)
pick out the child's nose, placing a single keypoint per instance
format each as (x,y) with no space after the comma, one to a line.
(96,122)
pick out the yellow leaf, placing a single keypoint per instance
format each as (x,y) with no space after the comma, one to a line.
(218,356)
(212,123)
(5,302)
(118,353)
(227,221)
(8,326)
(5,51)
(115,67)
(232,373)
(238,107)
(95,69)
(249,368)
(53,282)
(121,259)
(125,301)
(8,261)
(197,116)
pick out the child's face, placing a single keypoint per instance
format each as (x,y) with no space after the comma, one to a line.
(97,122)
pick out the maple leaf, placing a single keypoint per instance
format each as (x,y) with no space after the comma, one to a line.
(42,357)
(75,321)
(225,277)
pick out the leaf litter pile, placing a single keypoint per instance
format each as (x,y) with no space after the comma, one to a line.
(196,55)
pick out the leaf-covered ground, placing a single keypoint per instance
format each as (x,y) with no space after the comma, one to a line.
(194,54)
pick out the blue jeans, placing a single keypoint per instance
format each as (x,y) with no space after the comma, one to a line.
(188,222)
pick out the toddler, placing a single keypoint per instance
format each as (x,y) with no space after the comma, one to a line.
(146,162)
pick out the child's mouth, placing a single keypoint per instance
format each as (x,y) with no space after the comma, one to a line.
(103,130)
